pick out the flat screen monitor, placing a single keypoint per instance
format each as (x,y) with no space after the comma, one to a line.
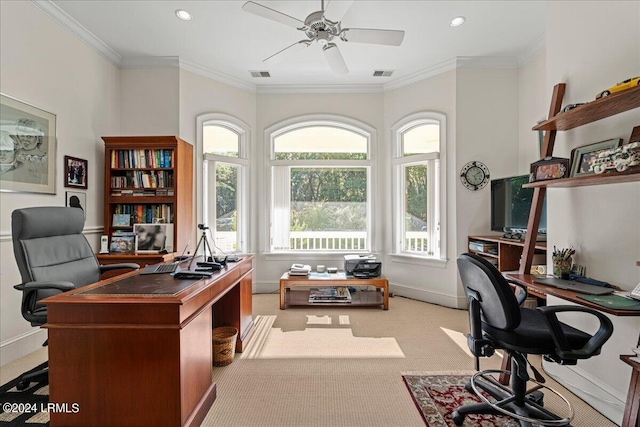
(511,204)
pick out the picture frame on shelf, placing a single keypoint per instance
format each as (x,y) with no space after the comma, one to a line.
(75,172)
(583,158)
(549,168)
(153,238)
(76,199)
(27,147)
(121,220)
(122,244)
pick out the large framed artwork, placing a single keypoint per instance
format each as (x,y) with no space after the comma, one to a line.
(27,147)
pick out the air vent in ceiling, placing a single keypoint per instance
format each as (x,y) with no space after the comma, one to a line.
(260,74)
(382,73)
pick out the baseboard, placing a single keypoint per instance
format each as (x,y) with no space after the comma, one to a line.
(601,397)
(21,345)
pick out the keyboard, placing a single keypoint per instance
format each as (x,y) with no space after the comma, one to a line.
(160,268)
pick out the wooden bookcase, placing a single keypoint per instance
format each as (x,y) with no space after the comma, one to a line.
(149,178)
(590,112)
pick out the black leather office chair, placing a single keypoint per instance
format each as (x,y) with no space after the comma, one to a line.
(498,322)
(53,256)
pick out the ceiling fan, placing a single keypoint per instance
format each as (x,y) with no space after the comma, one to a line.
(318,28)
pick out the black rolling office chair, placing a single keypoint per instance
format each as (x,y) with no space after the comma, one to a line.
(53,256)
(498,322)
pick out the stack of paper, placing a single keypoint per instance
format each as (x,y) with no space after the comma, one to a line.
(299,270)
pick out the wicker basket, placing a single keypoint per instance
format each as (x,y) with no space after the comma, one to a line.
(224,345)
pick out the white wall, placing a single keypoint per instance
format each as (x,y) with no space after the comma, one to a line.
(602,223)
(62,75)
(150,101)
(533,107)
(414,278)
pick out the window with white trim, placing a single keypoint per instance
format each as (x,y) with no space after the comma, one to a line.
(224,181)
(320,187)
(418,180)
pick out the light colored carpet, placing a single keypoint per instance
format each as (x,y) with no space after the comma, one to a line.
(342,366)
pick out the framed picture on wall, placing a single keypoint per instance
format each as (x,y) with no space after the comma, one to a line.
(27,147)
(75,172)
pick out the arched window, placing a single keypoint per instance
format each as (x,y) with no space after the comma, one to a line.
(418,185)
(321,180)
(223,181)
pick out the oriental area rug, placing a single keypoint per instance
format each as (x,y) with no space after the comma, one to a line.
(438,395)
(26,407)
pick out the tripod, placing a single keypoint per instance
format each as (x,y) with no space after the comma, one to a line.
(205,245)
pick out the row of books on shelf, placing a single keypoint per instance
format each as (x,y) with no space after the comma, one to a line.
(142,158)
(140,179)
(145,192)
(337,294)
(149,214)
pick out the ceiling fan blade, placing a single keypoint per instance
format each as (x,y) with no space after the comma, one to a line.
(335,59)
(335,10)
(297,46)
(274,15)
(369,35)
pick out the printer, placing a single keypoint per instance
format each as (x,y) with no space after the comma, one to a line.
(362,266)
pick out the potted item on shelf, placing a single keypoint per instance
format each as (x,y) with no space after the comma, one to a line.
(562,261)
(549,168)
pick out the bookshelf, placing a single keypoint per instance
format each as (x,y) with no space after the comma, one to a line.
(148,179)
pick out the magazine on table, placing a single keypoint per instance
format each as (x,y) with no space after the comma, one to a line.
(299,270)
(330,294)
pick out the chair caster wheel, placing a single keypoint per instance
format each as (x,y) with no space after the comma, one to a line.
(22,385)
(457,418)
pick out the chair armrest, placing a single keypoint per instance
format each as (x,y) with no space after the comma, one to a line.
(595,343)
(126,265)
(522,295)
(34,286)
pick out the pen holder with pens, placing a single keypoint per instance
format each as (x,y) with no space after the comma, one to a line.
(562,267)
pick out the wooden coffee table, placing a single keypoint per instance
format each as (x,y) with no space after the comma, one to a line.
(290,297)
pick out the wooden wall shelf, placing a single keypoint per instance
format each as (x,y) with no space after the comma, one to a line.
(592,111)
(630,175)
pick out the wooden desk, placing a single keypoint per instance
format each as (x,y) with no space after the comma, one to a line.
(141,259)
(136,350)
(542,290)
(289,297)
(632,408)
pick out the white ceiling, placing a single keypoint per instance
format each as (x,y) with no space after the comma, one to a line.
(226,41)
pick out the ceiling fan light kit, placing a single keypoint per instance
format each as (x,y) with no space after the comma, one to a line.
(324,32)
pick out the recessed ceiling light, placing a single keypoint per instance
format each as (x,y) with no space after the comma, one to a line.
(183,14)
(457,21)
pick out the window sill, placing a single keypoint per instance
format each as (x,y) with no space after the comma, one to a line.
(418,260)
(311,256)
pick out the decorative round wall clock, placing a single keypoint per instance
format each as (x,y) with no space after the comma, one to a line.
(474,175)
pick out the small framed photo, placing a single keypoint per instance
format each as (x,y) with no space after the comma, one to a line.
(75,171)
(124,244)
(153,238)
(76,199)
(549,168)
(583,158)
(121,220)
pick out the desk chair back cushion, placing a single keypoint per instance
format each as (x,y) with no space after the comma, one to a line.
(49,246)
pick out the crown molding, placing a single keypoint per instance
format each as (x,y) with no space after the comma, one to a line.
(61,17)
(532,50)
(287,89)
(421,75)
(487,62)
(216,75)
(133,62)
